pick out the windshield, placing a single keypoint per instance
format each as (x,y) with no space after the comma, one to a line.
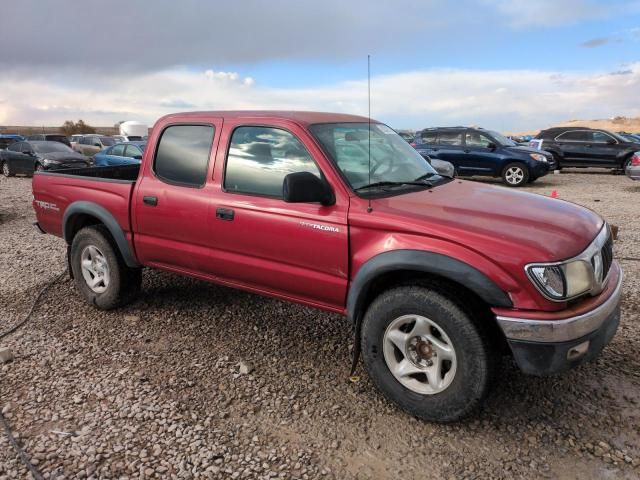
(502,140)
(107,141)
(392,158)
(49,147)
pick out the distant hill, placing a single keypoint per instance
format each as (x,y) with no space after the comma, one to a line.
(615,124)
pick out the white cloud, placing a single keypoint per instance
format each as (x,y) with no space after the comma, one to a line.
(502,99)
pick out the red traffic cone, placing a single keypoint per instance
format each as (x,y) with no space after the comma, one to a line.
(554,194)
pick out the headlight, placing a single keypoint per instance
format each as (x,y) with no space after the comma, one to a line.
(563,281)
(537,157)
(47,161)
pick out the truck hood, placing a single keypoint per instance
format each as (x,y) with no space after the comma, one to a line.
(498,222)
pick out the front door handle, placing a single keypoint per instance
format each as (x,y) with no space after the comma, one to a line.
(153,201)
(224,214)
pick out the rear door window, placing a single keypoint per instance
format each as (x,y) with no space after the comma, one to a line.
(118,150)
(450,138)
(429,136)
(132,151)
(575,136)
(183,153)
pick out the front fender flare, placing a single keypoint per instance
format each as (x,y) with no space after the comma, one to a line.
(427,262)
(106,218)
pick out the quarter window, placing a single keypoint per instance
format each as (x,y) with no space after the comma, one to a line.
(183,154)
(260,157)
(15,147)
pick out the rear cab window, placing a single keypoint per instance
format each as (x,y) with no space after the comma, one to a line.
(182,155)
(259,158)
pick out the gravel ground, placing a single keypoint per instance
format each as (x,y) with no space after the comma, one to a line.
(199,381)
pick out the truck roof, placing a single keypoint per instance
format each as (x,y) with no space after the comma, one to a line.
(301,117)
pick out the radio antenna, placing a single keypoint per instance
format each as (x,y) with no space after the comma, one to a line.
(369,208)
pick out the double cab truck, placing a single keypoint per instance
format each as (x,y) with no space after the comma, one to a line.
(440,277)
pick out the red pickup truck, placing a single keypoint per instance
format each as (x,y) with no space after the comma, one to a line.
(440,277)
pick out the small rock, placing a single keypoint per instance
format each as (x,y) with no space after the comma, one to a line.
(245,368)
(6,355)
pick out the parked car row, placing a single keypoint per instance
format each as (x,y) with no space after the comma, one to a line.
(476,151)
(28,156)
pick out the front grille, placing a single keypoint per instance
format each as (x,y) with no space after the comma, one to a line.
(607,256)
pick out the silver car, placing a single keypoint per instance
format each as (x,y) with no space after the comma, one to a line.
(633,167)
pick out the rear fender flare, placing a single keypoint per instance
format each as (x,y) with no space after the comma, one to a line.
(107,219)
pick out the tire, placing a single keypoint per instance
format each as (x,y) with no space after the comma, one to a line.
(6,170)
(468,380)
(116,284)
(515,174)
(556,158)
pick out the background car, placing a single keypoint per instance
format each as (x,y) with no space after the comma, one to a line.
(50,137)
(125,153)
(632,137)
(587,147)
(7,139)
(28,156)
(406,135)
(632,170)
(476,151)
(91,144)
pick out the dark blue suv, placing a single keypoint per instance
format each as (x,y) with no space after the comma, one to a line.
(475,151)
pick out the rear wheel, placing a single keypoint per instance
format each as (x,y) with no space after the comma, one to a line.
(6,170)
(426,354)
(99,270)
(515,174)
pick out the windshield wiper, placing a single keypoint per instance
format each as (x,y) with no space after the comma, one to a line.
(393,184)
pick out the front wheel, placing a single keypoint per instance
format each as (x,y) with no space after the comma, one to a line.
(99,270)
(515,175)
(426,354)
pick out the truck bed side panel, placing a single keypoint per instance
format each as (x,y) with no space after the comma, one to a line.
(53,193)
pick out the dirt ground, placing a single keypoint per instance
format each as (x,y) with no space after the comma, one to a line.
(155,390)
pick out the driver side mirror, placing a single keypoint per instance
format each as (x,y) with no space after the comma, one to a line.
(137,157)
(611,141)
(97,145)
(491,146)
(305,187)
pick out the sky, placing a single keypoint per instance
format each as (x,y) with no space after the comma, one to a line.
(510,65)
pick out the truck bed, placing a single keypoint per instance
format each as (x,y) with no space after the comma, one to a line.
(108,189)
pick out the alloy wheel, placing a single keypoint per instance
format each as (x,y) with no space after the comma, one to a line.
(419,354)
(95,269)
(514,175)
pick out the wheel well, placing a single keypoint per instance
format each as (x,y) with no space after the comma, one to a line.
(466,299)
(76,223)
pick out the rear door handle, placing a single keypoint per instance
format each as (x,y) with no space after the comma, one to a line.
(153,201)
(224,214)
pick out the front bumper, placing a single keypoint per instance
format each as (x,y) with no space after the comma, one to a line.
(546,347)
